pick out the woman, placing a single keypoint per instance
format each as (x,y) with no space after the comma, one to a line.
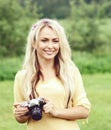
(48,72)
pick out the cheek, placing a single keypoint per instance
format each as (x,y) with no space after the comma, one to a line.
(58,47)
(40,46)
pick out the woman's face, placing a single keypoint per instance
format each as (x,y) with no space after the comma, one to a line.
(48,44)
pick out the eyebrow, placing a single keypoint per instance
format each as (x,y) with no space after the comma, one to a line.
(48,38)
(56,38)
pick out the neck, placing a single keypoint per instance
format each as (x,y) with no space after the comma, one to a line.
(46,64)
(47,69)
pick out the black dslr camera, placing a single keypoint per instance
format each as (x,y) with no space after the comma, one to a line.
(35,108)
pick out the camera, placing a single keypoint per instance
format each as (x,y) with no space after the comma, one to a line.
(35,107)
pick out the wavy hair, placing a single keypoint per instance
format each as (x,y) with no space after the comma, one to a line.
(63,64)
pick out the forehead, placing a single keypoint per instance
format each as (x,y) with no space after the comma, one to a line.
(48,32)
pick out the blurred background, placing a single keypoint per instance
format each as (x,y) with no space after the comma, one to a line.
(87,24)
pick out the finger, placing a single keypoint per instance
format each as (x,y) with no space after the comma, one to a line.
(46,101)
(20,111)
(16,105)
(48,108)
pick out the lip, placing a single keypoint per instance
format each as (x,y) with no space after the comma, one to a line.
(49,52)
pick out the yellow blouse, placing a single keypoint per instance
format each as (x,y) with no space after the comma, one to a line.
(54,91)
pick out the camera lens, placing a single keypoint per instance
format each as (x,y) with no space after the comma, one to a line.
(36,113)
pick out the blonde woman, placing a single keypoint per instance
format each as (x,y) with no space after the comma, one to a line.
(49,73)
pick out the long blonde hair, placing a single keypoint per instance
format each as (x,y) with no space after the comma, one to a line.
(64,66)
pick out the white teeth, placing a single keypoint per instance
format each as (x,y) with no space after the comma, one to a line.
(49,52)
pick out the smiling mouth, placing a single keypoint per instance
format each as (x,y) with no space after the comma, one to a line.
(49,52)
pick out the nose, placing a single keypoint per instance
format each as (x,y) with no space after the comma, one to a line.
(50,45)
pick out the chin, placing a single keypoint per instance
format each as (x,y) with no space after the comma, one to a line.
(49,57)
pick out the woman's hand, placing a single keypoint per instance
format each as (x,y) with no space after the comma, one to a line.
(20,112)
(49,108)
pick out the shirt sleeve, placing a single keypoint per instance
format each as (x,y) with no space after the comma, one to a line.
(18,88)
(80,97)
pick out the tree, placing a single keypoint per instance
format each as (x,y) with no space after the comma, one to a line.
(84,31)
(14,26)
(105,10)
(54,8)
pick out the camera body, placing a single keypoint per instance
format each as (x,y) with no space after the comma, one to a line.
(35,107)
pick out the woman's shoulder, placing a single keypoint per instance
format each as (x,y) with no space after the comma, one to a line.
(20,73)
(75,71)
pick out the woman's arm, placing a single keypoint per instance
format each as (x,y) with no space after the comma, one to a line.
(74,113)
(77,112)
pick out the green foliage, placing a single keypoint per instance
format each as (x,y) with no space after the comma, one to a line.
(84,31)
(88,63)
(61,8)
(7,25)
(9,67)
(54,9)
(105,10)
(14,26)
(84,35)
(85,62)
(31,8)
